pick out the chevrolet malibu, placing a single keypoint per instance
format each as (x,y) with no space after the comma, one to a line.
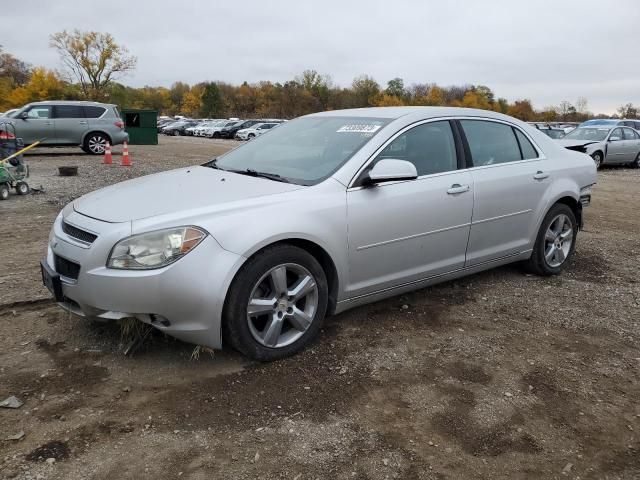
(327,212)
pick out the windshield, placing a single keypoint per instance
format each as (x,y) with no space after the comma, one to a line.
(304,151)
(555,134)
(586,133)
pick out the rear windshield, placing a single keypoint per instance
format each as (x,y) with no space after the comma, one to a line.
(306,150)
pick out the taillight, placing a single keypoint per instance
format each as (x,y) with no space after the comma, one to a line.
(119,124)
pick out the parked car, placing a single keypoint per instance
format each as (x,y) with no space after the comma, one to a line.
(231,130)
(179,127)
(378,202)
(604,122)
(254,131)
(163,123)
(69,123)
(549,130)
(214,131)
(605,144)
(201,129)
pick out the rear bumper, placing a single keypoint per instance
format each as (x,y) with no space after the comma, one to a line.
(119,137)
(184,300)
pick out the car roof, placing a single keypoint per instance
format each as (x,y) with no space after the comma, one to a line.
(72,102)
(419,112)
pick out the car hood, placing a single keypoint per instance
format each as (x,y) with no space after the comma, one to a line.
(173,191)
(568,143)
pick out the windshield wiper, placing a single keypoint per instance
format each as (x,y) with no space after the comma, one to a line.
(254,173)
(212,164)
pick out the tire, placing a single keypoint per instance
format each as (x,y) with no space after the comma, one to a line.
(95,143)
(636,162)
(598,158)
(22,188)
(560,221)
(175,133)
(298,320)
(251,135)
(4,191)
(216,135)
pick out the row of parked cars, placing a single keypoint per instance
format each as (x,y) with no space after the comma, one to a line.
(218,128)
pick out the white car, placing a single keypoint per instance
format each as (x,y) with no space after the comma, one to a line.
(200,129)
(214,131)
(254,131)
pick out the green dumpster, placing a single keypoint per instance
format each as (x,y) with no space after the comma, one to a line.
(141,125)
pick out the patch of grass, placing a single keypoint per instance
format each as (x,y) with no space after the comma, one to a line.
(195,355)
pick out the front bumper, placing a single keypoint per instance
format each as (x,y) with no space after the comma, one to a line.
(184,300)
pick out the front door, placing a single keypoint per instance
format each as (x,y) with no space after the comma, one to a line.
(37,125)
(402,232)
(616,147)
(71,124)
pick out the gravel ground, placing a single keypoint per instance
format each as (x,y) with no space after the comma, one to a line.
(498,375)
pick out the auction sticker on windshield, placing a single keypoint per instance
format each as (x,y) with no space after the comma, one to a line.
(359,128)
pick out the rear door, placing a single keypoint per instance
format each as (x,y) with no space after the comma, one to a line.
(632,143)
(510,178)
(70,124)
(38,125)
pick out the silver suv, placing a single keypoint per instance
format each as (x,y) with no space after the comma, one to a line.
(69,123)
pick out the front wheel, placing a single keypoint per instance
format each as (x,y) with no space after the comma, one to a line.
(555,242)
(276,304)
(636,162)
(597,159)
(22,188)
(4,191)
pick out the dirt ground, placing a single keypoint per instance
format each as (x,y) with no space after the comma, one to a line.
(498,375)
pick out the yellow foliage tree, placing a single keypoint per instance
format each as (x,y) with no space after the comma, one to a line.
(386,100)
(434,98)
(192,101)
(474,100)
(43,85)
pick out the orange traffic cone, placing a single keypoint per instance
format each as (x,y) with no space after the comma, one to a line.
(108,160)
(126,160)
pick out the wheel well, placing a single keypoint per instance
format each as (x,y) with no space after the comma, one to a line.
(575,206)
(325,261)
(88,134)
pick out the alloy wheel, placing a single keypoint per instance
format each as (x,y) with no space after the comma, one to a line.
(282,305)
(97,144)
(597,158)
(558,240)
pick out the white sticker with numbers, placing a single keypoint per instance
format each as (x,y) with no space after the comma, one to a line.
(359,128)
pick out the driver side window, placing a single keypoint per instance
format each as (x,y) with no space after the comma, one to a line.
(39,112)
(430,147)
(616,135)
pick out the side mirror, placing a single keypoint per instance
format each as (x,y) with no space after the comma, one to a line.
(614,139)
(389,170)
(24,115)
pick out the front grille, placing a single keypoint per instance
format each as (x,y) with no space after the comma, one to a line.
(66,268)
(77,233)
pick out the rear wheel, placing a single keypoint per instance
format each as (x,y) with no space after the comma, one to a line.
(597,159)
(22,188)
(4,191)
(95,143)
(215,135)
(555,242)
(276,304)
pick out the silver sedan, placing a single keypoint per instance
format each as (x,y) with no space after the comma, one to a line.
(327,212)
(606,144)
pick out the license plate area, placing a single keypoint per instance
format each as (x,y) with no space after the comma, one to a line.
(51,280)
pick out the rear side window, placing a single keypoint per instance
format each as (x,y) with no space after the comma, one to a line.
(491,143)
(630,134)
(68,111)
(430,147)
(528,152)
(93,112)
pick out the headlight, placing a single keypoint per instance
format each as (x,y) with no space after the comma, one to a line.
(154,249)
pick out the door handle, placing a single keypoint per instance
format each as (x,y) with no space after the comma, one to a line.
(457,188)
(82,122)
(48,123)
(540,175)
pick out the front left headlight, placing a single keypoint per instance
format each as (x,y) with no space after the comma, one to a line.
(154,249)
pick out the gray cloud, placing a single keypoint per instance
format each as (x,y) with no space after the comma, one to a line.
(546,50)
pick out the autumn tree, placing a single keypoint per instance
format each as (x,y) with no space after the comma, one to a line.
(395,88)
(522,110)
(365,90)
(13,69)
(94,59)
(42,85)
(176,93)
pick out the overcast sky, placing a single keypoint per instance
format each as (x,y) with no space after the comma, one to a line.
(544,50)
